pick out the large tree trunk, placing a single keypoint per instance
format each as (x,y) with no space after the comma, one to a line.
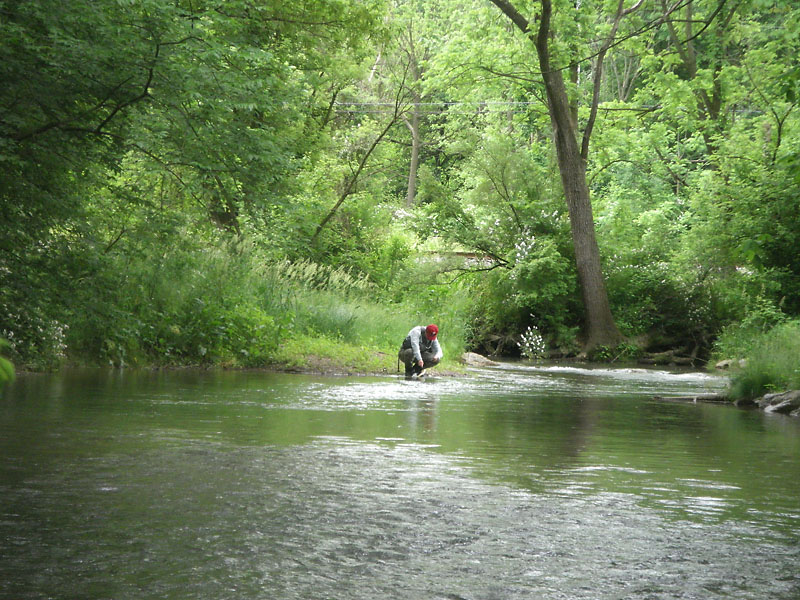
(600,328)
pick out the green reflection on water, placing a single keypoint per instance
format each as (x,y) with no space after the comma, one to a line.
(154,468)
(611,443)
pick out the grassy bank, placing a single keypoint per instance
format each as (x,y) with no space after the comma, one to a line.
(231,307)
(771,362)
(324,355)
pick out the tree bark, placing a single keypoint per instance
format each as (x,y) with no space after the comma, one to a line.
(600,327)
(413,126)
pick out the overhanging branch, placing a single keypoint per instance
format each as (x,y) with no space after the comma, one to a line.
(399,111)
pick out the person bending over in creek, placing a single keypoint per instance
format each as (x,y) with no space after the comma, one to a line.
(420,350)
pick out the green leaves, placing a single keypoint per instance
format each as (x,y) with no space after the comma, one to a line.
(133,129)
(6,368)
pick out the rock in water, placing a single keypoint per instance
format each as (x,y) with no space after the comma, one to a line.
(784,403)
(473,359)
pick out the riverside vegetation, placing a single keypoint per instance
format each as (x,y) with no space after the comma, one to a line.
(295,185)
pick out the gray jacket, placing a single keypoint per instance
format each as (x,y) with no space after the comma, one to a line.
(417,341)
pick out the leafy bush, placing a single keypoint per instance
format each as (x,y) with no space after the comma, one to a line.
(641,295)
(772,363)
(187,305)
(232,306)
(738,339)
(6,367)
(33,338)
(540,281)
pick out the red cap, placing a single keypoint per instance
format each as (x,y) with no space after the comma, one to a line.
(431,331)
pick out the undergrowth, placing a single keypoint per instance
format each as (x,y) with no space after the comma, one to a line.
(232,306)
(772,363)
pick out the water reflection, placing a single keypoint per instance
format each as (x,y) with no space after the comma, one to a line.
(521,481)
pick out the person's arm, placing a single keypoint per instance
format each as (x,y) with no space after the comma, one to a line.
(414,336)
(437,350)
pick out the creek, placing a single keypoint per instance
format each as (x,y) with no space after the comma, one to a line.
(518,481)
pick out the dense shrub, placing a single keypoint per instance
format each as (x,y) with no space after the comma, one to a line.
(6,367)
(772,363)
(235,305)
(740,337)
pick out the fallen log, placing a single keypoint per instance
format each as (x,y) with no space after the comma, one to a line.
(718,398)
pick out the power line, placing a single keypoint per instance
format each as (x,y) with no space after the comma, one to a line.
(443,103)
(432,107)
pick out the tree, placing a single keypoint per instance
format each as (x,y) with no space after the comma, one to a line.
(175,116)
(420,25)
(601,330)
(216,96)
(352,179)
(413,120)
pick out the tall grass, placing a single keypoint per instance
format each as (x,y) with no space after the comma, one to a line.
(232,305)
(772,363)
(187,305)
(332,304)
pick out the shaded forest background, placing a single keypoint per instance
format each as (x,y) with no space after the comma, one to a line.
(241,183)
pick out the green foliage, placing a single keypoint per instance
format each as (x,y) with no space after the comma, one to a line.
(166,166)
(34,338)
(738,339)
(229,306)
(772,363)
(126,130)
(657,303)
(32,306)
(327,301)
(543,281)
(447,305)
(390,258)
(620,352)
(185,305)
(6,367)
(324,354)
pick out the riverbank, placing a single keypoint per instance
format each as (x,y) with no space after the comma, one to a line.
(784,403)
(364,363)
(375,363)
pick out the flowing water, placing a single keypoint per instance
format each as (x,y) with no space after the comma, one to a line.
(518,481)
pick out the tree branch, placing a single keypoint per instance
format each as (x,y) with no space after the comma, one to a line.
(467,271)
(144,94)
(351,182)
(512,13)
(113,242)
(598,73)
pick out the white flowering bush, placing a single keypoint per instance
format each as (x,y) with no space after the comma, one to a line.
(532,344)
(524,247)
(34,339)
